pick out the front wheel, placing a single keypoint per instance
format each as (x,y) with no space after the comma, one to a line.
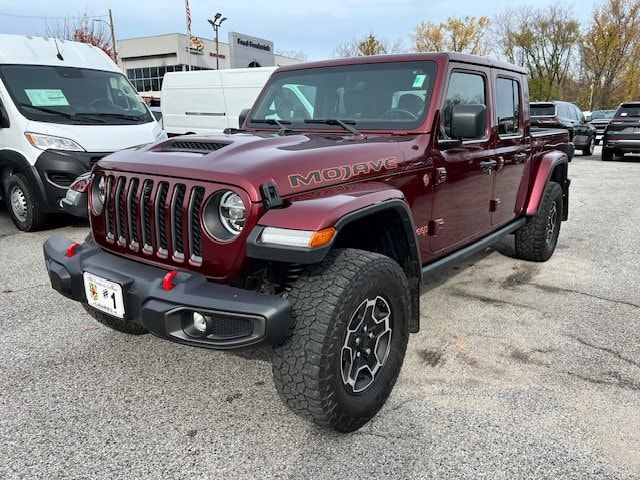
(347,339)
(536,241)
(22,204)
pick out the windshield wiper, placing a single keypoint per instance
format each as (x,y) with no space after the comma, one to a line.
(272,121)
(72,116)
(116,115)
(346,124)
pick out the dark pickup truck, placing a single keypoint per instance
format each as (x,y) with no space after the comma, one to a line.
(567,116)
(310,229)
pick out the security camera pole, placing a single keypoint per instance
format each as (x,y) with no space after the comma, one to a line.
(215,23)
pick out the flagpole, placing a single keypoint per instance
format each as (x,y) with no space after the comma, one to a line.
(188,21)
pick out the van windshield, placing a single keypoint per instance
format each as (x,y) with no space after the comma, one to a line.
(602,114)
(377,96)
(73,95)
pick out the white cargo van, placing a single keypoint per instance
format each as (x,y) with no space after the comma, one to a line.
(208,101)
(63,106)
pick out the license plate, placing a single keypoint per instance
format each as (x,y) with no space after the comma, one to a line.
(104,295)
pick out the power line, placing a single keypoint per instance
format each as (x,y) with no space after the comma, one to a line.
(51,18)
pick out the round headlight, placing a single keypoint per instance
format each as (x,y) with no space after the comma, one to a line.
(232,212)
(224,216)
(98,193)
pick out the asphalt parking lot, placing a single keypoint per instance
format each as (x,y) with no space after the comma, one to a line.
(521,370)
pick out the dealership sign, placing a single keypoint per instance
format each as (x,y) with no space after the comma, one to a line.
(246,50)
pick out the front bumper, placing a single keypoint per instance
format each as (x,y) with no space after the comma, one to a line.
(240,318)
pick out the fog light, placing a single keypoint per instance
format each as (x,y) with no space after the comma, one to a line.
(199,322)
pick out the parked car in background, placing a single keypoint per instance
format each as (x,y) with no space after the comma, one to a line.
(622,134)
(63,106)
(209,101)
(599,120)
(568,116)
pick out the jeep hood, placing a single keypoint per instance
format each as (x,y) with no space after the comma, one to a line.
(296,162)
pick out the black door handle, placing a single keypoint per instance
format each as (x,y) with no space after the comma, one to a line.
(520,157)
(488,165)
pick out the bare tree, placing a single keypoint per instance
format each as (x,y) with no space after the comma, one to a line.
(368,45)
(83,29)
(467,34)
(543,40)
(297,54)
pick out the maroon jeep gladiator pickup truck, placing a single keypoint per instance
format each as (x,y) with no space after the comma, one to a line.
(311,228)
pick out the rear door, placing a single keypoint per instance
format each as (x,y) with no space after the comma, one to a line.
(462,183)
(513,148)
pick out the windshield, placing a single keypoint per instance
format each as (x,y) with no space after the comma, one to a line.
(543,110)
(602,114)
(378,96)
(628,111)
(73,95)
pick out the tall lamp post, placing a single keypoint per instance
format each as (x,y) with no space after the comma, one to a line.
(113,34)
(215,23)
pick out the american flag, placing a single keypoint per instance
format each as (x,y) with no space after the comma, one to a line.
(188,14)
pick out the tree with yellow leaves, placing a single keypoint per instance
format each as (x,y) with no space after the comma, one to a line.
(610,52)
(467,35)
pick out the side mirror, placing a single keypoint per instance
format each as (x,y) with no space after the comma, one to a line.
(243,117)
(468,121)
(588,118)
(4,117)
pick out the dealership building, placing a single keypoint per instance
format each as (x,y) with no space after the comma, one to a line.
(145,60)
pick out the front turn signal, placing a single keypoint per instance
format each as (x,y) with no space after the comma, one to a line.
(322,237)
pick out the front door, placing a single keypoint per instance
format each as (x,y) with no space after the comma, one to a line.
(463,176)
(513,150)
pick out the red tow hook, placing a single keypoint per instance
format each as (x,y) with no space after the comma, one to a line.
(167,281)
(71,249)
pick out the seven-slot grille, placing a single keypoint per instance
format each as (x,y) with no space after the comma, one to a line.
(155,216)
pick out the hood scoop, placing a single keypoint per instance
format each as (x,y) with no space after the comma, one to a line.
(193,146)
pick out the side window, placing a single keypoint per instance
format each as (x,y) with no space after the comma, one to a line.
(464,89)
(579,115)
(508,106)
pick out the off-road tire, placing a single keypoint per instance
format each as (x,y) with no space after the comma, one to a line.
(120,325)
(531,239)
(588,150)
(33,218)
(607,154)
(307,367)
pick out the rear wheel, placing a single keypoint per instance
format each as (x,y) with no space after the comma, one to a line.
(588,150)
(22,204)
(348,336)
(536,241)
(607,154)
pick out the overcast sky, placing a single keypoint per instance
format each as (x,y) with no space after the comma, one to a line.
(313,26)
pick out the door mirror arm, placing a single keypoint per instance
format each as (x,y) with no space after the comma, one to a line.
(448,143)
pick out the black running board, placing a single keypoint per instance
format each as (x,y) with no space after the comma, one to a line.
(473,248)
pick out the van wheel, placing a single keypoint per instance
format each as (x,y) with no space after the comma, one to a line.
(22,204)
(347,339)
(536,241)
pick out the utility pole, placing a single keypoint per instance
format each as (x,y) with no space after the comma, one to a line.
(215,23)
(113,34)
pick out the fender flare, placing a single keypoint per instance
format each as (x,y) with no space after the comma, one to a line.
(351,210)
(548,165)
(17,162)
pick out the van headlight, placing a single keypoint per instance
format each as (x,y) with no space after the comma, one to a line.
(46,142)
(224,215)
(98,193)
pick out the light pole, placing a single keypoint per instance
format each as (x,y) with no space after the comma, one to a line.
(215,23)
(113,34)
